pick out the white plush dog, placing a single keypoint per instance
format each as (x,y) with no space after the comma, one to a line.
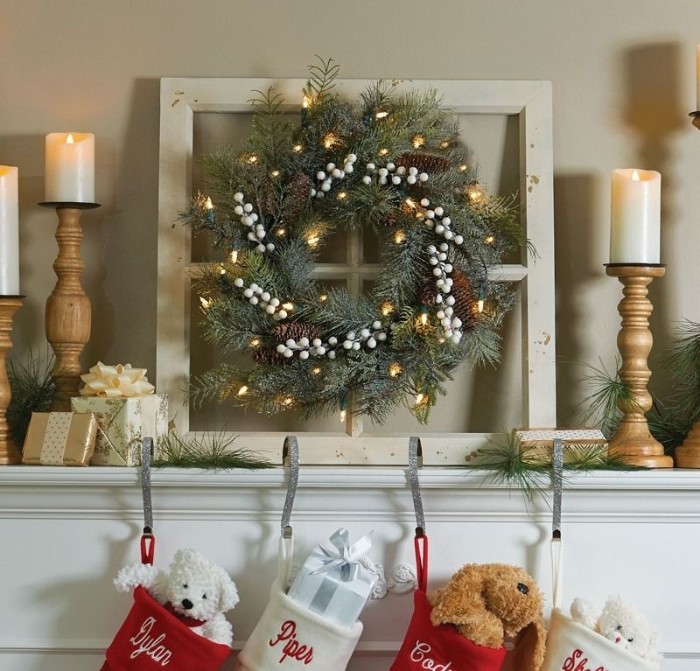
(196,589)
(620,623)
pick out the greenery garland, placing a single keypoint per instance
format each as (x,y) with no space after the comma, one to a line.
(391,163)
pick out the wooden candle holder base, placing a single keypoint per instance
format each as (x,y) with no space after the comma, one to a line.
(9,454)
(633,443)
(68,310)
(688,454)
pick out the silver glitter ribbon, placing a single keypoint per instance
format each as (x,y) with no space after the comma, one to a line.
(290,451)
(146,454)
(415,452)
(557,485)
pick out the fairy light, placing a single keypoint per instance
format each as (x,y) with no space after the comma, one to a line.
(297,148)
(383,152)
(204,302)
(342,195)
(250,158)
(474,192)
(424,318)
(444,144)
(480,305)
(410,203)
(387,308)
(281,232)
(381,115)
(242,391)
(420,398)
(323,298)
(462,168)
(306,102)
(343,416)
(312,240)
(395,370)
(489,239)
(288,401)
(418,141)
(288,306)
(399,237)
(222,270)
(330,140)
(275,173)
(316,371)
(255,342)
(208,205)
(233,256)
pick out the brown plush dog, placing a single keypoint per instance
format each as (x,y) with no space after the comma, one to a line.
(491,602)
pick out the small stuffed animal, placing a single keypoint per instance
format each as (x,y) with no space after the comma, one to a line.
(491,602)
(195,589)
(620,623)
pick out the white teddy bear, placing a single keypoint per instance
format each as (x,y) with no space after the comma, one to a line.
(620,623)
(195,589)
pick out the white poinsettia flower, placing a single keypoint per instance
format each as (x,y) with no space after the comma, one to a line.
(116,381)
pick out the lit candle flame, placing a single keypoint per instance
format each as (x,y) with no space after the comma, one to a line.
(635,176)
(70,139)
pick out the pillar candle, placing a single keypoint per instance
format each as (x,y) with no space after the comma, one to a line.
(70,168)
(698,77)
(635,230)
(9,231)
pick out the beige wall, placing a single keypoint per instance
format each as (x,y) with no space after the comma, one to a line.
(623,74)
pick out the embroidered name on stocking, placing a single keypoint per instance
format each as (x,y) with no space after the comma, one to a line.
(421,653)
(575,663)
(292,648)
(146,643)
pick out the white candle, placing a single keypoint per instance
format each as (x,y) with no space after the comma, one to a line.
(9,231)
(635,226)
(70,168)
(698,77)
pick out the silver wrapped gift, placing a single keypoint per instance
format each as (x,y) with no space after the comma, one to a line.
(332,582)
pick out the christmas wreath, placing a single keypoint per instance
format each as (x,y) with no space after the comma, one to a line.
(392,163)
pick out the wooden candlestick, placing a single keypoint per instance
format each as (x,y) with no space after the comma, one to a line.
(9,454)
(68,310)
(633,442)
(688,454)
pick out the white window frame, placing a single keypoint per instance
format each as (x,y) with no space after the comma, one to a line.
(531,101)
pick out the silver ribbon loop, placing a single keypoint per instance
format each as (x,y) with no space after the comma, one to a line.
(290,452)
(557,485)
(346,557)
(146,454)
(415,452)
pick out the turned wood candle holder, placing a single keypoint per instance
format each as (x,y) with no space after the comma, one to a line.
(68,310)
(688,454)
(633,442)
(9,454)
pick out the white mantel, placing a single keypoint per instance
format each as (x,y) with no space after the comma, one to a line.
(66,531)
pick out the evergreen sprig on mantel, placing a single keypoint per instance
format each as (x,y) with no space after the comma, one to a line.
(392,163)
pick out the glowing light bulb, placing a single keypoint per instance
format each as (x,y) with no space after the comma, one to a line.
(288,401)
(420,398)
(222,270)
(399,237)
(255,342)
(381,115)
(330,140)
(275,173)
(462,168)
(316,371)
(343,416)
(424,318)
(242,391)
(313,241)
(297,148)
(323,298)
(208,205)
(395,370)
(342,195)
(288,306)
(418,141)
(489,239)
(306,102)
(480,305)
(474,192)
(252,158)
(410,203)
(387,308)
(204,302)
(280,232)
(383,152)
(233,256)
(444,144)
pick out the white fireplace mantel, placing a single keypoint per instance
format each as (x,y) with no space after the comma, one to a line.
(65,532)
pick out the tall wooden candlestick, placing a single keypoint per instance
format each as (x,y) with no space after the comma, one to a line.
(68,310)
(688,454)
(9,454)
(633,442)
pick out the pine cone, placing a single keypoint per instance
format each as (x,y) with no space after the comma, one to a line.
(428,293)
(465,306)
(295,330)
(269,356)
(391,220)
(424,162)
(297,197)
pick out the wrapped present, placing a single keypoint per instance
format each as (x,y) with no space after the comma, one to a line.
(333,582)
(60,439)
(127,410)
(537,445)
(122,424)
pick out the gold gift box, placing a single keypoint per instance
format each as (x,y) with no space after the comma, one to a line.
(60,439)
(537,445)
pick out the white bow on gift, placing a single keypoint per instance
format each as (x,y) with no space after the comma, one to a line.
(346,558)
(116,381)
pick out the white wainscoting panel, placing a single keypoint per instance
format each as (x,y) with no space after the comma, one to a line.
(65,532)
